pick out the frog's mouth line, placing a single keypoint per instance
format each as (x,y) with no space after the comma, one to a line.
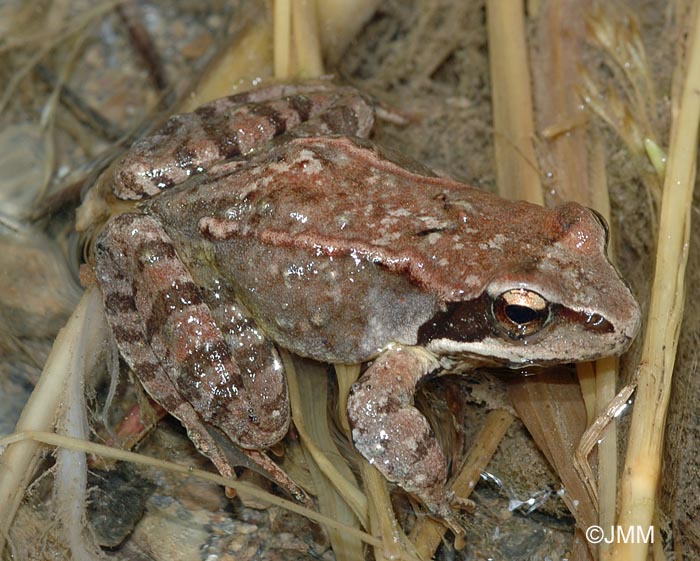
(493,353)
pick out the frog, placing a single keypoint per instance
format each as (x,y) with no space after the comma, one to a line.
(269,220)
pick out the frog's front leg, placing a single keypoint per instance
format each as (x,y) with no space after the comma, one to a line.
(393,435)
(169,336)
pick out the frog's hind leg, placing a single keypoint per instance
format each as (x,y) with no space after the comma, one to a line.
(233,127)
(393,435)
(168,336)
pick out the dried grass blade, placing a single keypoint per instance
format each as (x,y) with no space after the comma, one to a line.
(343,482)
(57,440)
(311,413)
(581,177)
(516,164)
(282,39)
(643,460)
(307,43)
(381,515)
(339,22)
(592,437)
(247,55)
(606,380)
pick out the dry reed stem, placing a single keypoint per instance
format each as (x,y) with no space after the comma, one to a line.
(428,533)
(606,381)
(282,16)
(585,372)
(247,57)
(69,352)
(381,515)
(582,177)
(307,42)
(297,44)
(339,21)
(517,175)
(346,375)
(644,452)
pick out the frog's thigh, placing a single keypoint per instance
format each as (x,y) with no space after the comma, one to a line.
(231,127)
(392,434)
(168,335)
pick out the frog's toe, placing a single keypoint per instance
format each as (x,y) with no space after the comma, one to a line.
(464,504)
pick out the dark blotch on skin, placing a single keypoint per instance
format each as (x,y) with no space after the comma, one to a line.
(429,231)
(461,321)
(205,112)
(167,299)
(126,334)
(127,182)
(341,120)
(216,130)
(272,115)
(119,303)
(302,106)
(150,371)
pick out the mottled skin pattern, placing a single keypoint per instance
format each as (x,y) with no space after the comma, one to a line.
(235,126)
(334,250)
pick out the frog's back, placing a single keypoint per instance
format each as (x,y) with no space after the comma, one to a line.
(338,251)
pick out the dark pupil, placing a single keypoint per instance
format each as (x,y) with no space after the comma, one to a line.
(520,314)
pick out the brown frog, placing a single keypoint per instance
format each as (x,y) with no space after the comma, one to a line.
(271,220)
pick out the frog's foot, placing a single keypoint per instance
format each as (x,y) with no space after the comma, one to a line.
(461,503)
(394,436)
(279,476)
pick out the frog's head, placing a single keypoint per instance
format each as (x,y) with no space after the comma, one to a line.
(558,299)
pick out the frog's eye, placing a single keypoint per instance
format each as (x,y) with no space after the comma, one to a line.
(521,312)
